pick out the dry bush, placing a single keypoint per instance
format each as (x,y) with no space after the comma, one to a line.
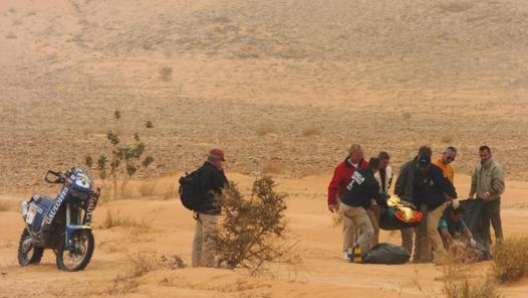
(8,205)
(165,73)
(447,139)
(458,282)
(460,253)
(172,262)
(144,262)
(116,219)
(170,192)
(273,167)
(122,162)
(510,259)
(10,35)
(311,131)
(252,231)
(148,188)
(482,288)
(141,264)
(266,130)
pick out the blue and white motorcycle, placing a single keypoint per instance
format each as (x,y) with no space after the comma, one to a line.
(62,224)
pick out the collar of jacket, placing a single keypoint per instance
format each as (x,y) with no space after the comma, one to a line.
(487,164)
(348,164)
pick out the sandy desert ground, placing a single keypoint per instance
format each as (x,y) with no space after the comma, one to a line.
(285,87)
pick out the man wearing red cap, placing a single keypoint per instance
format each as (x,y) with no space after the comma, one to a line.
(212,181)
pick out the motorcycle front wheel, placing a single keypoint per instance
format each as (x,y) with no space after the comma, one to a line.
(79,254)
(27,252)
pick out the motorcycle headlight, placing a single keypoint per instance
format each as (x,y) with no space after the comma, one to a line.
(80,194)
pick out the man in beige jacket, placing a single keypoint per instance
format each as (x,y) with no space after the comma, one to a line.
(487,183)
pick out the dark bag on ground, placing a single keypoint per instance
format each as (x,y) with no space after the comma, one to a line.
(190,190)
(390,222)
(386,253)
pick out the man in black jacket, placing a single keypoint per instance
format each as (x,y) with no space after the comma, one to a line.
(430,189)
(404,188)
(212,181)
(357,199)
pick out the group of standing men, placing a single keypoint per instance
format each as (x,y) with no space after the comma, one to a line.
(358,188)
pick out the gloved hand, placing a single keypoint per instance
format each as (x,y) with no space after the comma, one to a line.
(455,203)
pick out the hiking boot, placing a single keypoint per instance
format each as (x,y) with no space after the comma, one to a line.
(356,254)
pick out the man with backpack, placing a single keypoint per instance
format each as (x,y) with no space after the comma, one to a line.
(210,180)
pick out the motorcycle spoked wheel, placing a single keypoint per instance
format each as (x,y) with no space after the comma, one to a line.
(79,254)
(27,252)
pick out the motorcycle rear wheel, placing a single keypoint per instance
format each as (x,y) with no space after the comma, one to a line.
(79,254)
(28,254)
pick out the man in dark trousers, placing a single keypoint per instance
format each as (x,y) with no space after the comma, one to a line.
(487,183)
(212,181)
(356,199)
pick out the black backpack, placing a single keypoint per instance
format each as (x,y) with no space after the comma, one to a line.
(190,190)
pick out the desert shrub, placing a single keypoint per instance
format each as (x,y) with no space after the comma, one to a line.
(273,166)
(139,265)
(172,262)
(459,282)
(170,192)
(8,205)
(460,253)
(447,139)
(482,288)
(510,259)
(311,131)
(251,229)
(148,188)
(123,162)
(165,73)
(265,130)
(116,219)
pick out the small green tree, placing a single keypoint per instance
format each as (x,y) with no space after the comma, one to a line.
(248,235)
(123,162)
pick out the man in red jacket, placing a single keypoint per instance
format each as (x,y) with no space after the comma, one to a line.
(342,176)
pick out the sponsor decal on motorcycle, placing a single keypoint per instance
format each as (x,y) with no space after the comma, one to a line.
(57,205)
(31,214)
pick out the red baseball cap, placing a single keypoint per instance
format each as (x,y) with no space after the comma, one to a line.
(219,153)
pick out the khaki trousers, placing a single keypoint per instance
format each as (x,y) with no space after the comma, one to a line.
(360,218)
(433,218)
(374,215)
(350,231)
(204,245)
(427,236)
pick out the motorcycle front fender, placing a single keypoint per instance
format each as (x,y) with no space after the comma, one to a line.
(71,229)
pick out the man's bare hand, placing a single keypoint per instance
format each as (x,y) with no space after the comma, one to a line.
(334,208)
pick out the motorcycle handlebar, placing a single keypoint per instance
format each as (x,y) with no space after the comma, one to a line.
(59,177)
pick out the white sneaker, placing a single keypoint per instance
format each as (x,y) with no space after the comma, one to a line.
(345,256)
